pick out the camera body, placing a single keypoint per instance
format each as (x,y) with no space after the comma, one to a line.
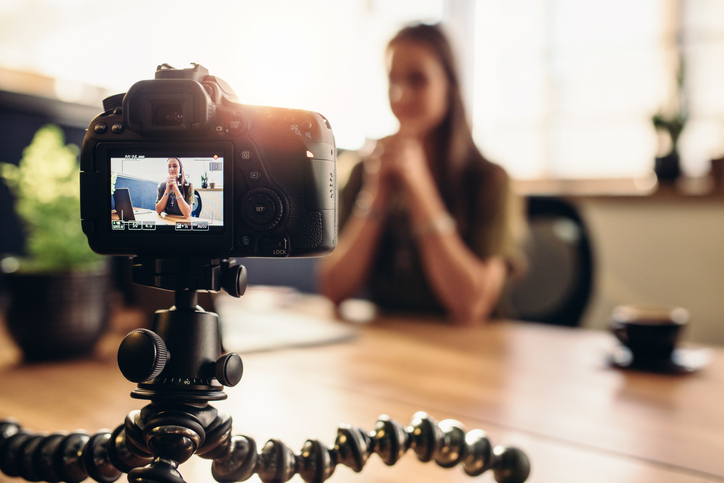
(259,181)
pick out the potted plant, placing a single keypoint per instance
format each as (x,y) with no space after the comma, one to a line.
(205,180)
(58,305)
(669,123)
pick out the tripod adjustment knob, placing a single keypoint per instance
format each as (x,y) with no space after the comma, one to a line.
(234,279)
(142,355)
(229,369)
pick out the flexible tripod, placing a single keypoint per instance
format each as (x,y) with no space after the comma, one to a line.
(180,368)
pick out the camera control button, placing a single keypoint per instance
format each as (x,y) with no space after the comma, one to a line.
(255,175)
(101,128)
(237,125)
(274,246)
(260,209)
(246,154)
(117,127)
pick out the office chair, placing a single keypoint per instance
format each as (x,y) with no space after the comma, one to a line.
(557,284)
(196,205)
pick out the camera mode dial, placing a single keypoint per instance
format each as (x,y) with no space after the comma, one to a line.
(113,102)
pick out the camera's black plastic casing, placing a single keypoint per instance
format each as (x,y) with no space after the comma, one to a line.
(279,175)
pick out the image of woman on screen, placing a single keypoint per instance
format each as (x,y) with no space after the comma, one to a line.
(175,194)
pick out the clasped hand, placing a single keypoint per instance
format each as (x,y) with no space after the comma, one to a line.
(399,162)
(171,185)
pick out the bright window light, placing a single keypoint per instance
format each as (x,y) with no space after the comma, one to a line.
(556,88)
(321,55)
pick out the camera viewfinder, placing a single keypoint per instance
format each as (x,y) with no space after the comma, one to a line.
(167,114)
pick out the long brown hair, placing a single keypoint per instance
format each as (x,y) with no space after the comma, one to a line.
(457,152)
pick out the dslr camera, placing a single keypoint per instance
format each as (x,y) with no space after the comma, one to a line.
(258,181)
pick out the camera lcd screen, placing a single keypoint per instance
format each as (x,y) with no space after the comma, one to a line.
(159,194)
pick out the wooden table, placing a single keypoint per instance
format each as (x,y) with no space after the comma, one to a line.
(544,389)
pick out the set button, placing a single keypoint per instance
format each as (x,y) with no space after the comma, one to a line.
(262,208)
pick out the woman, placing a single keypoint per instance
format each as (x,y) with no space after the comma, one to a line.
(175,195)
(427,221)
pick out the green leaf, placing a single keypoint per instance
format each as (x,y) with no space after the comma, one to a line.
(46,187)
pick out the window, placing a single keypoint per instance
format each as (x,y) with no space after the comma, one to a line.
(556,88)
(321,55)
(567,88)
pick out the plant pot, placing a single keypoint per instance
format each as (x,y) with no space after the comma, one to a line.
(58,316)
(667,167)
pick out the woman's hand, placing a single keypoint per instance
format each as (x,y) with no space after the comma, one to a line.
(398,164)
(163,200)
(404,164)
(171,181)
(378,182)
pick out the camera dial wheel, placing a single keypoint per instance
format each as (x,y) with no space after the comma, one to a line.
(113,102)
(262,208)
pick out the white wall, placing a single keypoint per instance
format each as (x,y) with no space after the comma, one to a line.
(666,250)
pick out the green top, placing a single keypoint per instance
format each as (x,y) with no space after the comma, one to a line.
(171,205)
(490,227)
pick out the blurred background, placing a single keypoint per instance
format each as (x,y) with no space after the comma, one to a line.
(559,88)
(562,93)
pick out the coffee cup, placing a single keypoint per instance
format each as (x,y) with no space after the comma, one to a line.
(649,332)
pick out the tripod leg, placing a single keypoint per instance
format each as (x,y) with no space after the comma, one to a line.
(65,457)
(170,433)
(446,443)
